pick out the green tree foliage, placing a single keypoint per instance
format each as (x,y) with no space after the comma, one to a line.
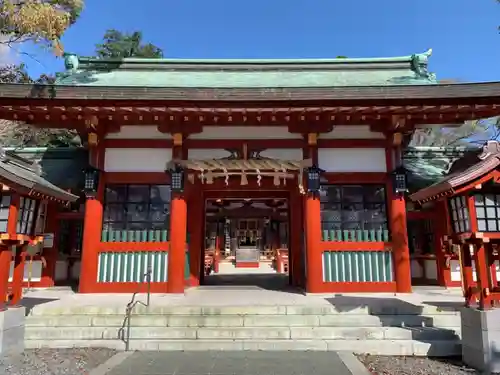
(121,45)
(19,134)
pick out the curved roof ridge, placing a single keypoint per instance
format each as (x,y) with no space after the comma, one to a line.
(422,57)
(274,73)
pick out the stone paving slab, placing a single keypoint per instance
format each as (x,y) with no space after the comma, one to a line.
(220,297)
(231,363)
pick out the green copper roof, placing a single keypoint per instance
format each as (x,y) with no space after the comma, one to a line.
(180,73)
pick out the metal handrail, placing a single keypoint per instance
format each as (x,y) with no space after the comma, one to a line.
(132,304)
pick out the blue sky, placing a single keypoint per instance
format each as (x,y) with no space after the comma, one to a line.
(462,33)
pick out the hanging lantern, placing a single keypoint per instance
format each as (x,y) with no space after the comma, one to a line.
(314,179)
(91,181)
(177,179)
(400,181)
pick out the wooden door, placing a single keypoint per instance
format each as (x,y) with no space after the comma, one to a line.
(248,232)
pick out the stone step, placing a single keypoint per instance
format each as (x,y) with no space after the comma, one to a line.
(242,333)
(336,320)
(379,310)
(445,348)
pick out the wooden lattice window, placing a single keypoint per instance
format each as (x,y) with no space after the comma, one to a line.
(460,214)
(26,215)
(136,207)
(487,212)
(4,212)
(353,207)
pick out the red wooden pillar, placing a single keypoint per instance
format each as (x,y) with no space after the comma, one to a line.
(482,276)
(312,223)
(314,261)
(5,259)
(398,226)
(92,228)
(490,260)
(400,250)
(5,250)
(176,252)
(18,274)
(467,272)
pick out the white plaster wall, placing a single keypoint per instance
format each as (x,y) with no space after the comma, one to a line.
(62,270)
(352,159)
(416,269)
(36,271)
(245,132)
(138,132)
(456,274)
(431,269)
(352,132)
(75,270)
(61,273)
(207,153)
(136,159)
(295,154)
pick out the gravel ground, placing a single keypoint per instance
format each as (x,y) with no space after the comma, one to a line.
(383,365)
(54,361)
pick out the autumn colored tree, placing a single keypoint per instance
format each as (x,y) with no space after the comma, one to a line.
(118,45)
(39,21)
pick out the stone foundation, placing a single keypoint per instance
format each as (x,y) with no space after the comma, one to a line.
(12,326)
(481,339)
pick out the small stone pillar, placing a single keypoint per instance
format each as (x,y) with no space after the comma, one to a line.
(481,339)
(12,323)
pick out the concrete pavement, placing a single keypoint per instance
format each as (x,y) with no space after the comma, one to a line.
(231,363)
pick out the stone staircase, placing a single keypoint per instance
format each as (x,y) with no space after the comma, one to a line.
(227,268)
(386,330)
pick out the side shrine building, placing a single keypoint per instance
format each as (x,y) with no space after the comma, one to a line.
(247,157)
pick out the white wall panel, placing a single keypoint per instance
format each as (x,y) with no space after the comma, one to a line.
(352,132)
(207,153)
(245,132)
(352,159)
(431,270)
(283,153)
(456,274)
(138,132)
(136,159)
(416,269)
(61,273)
(36,271)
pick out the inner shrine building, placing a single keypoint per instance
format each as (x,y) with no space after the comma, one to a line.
(182,146)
